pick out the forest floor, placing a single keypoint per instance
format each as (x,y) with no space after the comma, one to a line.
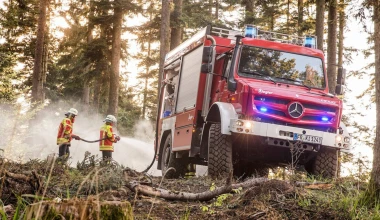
(36,180)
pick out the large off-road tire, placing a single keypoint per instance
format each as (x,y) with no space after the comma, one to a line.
(168,160)
(219,153)
(325,164)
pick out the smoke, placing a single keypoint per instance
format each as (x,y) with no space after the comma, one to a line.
(33,136)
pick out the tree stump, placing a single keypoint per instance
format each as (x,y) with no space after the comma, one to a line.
(80,210)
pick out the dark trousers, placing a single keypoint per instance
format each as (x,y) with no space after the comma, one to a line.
(107,155)
(64,151)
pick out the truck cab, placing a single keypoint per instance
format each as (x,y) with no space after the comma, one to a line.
(249,101)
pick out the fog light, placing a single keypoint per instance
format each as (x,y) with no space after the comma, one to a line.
(239,123)
(246,130)
(338,138)
(345,145)
(248,125)
(347,139)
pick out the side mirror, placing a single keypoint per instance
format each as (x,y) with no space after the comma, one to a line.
(341,78)
(339,90)
(208,59)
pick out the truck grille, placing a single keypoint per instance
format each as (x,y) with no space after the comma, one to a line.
(278,107)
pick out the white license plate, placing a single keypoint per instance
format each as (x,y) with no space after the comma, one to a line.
(307,138)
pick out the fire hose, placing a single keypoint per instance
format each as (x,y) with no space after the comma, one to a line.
(92,141)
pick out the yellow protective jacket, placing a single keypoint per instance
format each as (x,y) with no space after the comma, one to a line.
(64,131)
(106,132)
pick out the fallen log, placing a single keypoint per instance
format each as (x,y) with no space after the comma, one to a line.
(137,187)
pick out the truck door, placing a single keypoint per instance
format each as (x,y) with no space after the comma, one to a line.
(186,99)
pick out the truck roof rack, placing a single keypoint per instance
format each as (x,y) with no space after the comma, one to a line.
(225,33)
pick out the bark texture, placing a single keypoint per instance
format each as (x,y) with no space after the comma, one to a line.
(164,37)
(37,81)
(300,17)
(342,24)
(319,23)
(176,24)
(331,45)
(373,193)
(115,60)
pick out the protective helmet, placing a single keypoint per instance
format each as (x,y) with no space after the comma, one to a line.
(110,118)
(72,111)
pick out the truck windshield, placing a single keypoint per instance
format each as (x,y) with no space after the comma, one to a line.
(281,66)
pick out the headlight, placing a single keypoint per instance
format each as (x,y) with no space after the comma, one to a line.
(347,139)
(248,125)
(239,123)
(338,138)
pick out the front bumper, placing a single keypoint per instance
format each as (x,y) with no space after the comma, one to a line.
(288,133)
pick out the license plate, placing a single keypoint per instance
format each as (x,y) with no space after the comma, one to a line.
(307,138)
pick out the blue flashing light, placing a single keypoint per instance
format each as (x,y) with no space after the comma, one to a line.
(263,109)
(324,118)
(310,42)
(250,31)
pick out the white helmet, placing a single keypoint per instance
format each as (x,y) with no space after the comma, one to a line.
(110,118)
(72,111)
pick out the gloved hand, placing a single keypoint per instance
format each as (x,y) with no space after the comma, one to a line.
(76,137)
(117,138)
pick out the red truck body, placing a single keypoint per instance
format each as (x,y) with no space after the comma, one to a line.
(258,109)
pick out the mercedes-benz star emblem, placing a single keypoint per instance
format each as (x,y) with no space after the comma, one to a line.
(295,110)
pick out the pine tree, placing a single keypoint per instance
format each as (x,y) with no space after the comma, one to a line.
(164,37)
(331,45)
(37,87)
(115,59)
(320,22)
(176,24)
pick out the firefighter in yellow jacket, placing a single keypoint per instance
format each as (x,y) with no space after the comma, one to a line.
(107,138)
(65,133)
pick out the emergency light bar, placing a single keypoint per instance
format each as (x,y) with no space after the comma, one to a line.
(252,31)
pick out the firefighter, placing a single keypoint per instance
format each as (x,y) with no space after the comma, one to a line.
(107,138)
(65,134)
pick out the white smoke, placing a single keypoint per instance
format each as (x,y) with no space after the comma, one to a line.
(25,138)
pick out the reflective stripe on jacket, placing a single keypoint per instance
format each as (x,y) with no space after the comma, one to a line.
(107,144)
(64,131)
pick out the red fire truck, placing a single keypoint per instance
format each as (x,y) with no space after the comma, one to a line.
(248,101)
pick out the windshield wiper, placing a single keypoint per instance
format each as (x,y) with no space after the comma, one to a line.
(294,80)
(259,74)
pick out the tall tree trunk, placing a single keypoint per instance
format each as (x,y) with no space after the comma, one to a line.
(319,23)
(115,59)
(176,25)
(86,83)
(341,32)
(288,18)
(164,37)
(37,86)
(249,17)
(145,96)
(97,93)
(331,45)
(300,17)
(216,9)
(147,67)
(373,193)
